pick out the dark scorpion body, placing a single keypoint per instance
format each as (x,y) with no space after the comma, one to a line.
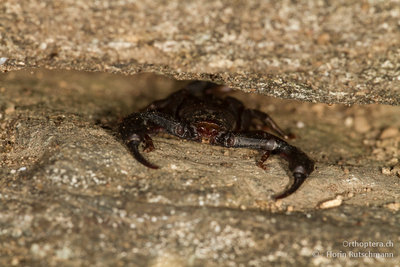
(194,113)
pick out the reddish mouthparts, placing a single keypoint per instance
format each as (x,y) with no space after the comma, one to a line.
(207,129)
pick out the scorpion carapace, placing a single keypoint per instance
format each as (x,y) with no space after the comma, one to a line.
(195,113)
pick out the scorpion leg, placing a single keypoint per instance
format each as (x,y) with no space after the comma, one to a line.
(135,128)
(300,164)
(264,158)
(266,120)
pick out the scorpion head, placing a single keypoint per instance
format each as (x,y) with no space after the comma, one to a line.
(207,131)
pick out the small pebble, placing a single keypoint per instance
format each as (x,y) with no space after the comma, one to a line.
(22,169)
(348,122)
(389,133)
(396,170)
(300,124)
(386,170)
(332,203)
(14,261)
(3,60)
(395,206)
(64,253)
(43,46)
(393,161)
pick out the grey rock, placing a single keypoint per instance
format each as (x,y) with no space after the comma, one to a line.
(318,51)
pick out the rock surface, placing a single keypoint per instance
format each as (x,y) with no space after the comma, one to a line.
(317,51)
(72,195)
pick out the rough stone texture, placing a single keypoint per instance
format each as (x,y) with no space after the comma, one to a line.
(72,195)
(317,51)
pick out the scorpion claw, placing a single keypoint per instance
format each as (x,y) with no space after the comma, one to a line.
(299,178)
(134,148)
(195,113)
